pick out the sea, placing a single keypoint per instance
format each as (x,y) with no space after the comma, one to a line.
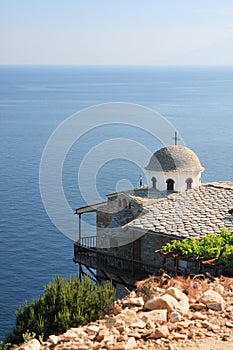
(36,100)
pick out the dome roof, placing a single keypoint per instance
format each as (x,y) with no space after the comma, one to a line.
(174,158)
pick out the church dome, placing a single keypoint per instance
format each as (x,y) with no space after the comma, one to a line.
(174,158)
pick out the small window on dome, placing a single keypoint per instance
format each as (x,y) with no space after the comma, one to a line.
(154,182)
(170,184)
(189,183)
(119,203)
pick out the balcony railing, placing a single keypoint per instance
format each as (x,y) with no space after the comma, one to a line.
(88,242)
(86,254)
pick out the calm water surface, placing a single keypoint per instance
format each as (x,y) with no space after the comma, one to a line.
(35,100)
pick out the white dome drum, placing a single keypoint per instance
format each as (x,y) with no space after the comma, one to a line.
(174,168)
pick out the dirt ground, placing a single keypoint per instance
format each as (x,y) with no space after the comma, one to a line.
(211,344)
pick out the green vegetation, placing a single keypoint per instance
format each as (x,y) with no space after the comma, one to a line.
(6,346)
(211,246)
(65,303)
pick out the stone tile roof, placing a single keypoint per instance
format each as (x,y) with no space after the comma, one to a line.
(173,158)
(121,218)
(193,213)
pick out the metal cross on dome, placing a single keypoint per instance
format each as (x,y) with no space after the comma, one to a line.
(176,138)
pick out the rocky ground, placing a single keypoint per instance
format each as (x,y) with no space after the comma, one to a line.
(163,313)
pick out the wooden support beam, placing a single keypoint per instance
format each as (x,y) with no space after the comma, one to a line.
(79,227)
(93,274)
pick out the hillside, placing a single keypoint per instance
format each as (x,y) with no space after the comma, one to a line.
(163,313)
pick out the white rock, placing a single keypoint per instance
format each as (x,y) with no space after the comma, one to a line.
(175,316)
(229,324)
(164,302)
(171,347)
(109,338)
(129,316)
(184,306)
(74,333)
(176,293)
(198,306)
(134,334)
(214,327)
(219,288)
(199,316)
(179,336)
(159,316)
(139,324)
(33,344)
(185,324)
(102,333)
(212,298)
(119,346)
(210,312)
(160,332)
(92,329)
(216,306)
(132,294)
(53,339)
(118,322)
(134,301)
(131,343)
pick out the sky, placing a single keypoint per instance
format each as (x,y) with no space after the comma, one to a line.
(116,32)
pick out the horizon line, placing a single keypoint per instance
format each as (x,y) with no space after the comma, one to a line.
(116,65)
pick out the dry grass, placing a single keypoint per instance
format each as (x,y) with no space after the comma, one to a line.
(227,283)
(195,287)
(151,285)
(192,287)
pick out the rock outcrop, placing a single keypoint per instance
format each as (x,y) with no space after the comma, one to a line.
(163,313)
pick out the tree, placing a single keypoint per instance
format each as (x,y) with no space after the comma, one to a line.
(65,303)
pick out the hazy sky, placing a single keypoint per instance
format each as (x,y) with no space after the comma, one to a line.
(130,32)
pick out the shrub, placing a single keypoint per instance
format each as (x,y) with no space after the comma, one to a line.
(211,246)
(227,256)
(65,303)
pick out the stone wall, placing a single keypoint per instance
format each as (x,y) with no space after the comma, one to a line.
(151,242)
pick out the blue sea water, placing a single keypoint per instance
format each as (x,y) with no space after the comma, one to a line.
(34,100)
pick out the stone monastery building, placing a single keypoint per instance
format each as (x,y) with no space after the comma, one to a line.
(132,225)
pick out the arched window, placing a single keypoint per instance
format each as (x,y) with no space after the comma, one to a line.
(119,203)
(189,182)
(170,184)
(153,179)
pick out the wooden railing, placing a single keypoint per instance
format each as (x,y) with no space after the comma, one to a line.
(86,253)
(88,242)
(109,262)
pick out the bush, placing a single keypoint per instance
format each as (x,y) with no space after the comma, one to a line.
(65,303)
(218,246)
(227,256)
